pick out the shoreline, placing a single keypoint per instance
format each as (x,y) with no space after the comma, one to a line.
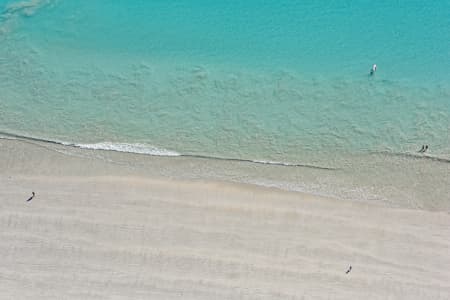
(381,180)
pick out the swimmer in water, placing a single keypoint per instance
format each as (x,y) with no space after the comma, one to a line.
(373,70)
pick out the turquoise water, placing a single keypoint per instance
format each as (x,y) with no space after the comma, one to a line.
(264,81)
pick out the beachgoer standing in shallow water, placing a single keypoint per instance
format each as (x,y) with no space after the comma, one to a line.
(373,70)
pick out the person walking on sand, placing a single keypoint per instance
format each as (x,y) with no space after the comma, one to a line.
(349,269)
(423,149)
(32,196)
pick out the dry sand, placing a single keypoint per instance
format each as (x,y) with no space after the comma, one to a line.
(129,236)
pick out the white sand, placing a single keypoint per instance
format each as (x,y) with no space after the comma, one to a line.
(138,237)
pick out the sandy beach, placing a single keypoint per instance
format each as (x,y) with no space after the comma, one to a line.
(208,150)
(97,230)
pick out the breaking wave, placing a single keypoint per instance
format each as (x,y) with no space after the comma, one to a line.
(129,148)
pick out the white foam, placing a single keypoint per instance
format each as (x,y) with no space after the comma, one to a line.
(269,162)
(129,148)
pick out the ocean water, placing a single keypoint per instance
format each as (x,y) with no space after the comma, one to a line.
(268,92)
